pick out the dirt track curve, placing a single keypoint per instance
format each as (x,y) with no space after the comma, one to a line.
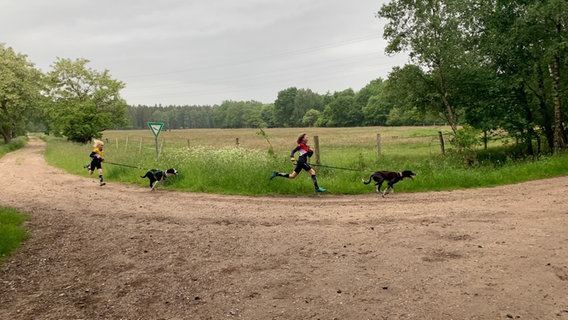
(123,252)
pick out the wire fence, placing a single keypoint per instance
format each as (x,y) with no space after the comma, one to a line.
(370,143)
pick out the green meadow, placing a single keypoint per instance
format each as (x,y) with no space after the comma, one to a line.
(240,161)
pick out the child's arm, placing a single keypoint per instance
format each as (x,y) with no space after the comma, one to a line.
(293,152)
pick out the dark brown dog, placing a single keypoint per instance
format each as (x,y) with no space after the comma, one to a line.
(390,177)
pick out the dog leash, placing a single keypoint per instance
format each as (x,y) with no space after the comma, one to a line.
(124,165)
(333,167)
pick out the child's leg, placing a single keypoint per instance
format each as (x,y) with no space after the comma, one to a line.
(92,166)
(285,175)
(315,181)
(292,175)
(101,176)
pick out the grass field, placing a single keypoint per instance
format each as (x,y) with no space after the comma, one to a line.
(239,161)
(282,139)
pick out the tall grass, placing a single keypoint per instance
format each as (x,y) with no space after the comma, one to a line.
(209,160)
(11,231)
(14,144)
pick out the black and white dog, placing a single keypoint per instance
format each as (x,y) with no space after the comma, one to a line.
(390,177)
(156,176)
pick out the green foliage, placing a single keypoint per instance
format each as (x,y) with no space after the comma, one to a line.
(284,107)
(20,85)
(498,65)
(342,111)
(84,102)
(296,107)
(14,144)
(233,114)
(11,231)
(263,134)
(433,32)
(305,101)
(311,117)
(466,139)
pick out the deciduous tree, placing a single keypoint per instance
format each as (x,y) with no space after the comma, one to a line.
(20,87)
(84,102)
(432,32)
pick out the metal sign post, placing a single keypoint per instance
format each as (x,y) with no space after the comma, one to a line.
(156,127)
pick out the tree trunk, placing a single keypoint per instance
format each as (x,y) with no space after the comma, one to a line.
(555,74)
(6,134)
(5,127)
(544,111)
(449,109)
(530,133)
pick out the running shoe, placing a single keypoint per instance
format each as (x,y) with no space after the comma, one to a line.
(321,190)
(274,174)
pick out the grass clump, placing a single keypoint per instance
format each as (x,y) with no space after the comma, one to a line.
(11,231)
(14,144)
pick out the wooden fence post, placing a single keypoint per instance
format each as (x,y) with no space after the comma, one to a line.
(378,146)
(140,147)
(188,145)
(317,148)
(237,141)
(126,144)
(116,143)
(161,148)
(441,136)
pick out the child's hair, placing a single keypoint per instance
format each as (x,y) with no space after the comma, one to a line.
(97,143)
(301,138)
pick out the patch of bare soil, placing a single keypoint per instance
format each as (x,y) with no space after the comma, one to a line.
(123,252)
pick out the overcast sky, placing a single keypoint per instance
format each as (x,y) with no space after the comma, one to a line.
(203,52)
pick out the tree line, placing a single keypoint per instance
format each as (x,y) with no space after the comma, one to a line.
(293,108)
(492,65)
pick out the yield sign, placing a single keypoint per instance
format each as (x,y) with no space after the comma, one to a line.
(156,127)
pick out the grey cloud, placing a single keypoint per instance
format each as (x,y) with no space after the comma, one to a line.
(203,52)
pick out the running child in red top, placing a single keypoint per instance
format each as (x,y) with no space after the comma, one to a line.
(304,152)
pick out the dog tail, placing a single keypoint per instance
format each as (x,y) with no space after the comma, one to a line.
(144,176)
(367,182)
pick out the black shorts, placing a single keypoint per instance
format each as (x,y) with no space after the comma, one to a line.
(302,165)
(96,163)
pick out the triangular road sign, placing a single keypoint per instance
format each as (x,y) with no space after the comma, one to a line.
(156,127)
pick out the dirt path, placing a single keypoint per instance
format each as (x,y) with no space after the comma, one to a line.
(123,252)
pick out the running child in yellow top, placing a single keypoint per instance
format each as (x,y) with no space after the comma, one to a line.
(96,160)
